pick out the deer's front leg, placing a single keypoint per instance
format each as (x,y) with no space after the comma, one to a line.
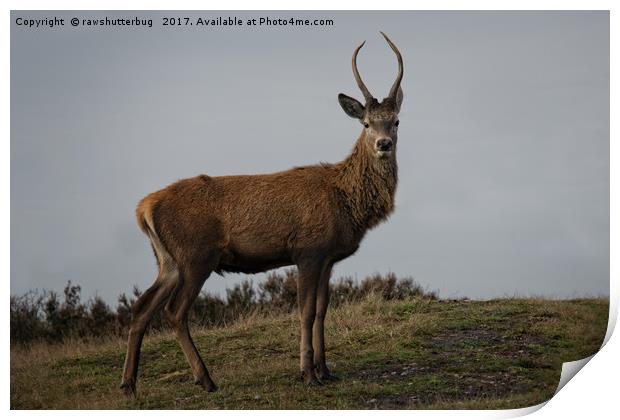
(318,331)
(309,276)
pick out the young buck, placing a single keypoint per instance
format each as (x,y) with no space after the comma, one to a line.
(311,216)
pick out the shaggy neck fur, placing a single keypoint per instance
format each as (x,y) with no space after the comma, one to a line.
(368,185)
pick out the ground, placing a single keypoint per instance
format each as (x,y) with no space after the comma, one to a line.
(414,354)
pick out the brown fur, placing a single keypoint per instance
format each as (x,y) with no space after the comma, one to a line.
(311,216)
(254,223)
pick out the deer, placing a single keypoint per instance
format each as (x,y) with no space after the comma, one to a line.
(310,216)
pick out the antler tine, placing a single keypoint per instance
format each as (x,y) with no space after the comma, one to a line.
(367,95)
(399,78)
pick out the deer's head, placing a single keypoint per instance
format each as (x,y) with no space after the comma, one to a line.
(380,119)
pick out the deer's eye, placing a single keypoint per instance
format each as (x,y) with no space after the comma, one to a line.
(396,123)
(366,125)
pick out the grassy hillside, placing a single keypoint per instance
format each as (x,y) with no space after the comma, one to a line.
(416,353)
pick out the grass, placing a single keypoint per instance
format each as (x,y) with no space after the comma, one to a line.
(414,354)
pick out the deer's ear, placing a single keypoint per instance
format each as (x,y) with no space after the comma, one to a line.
(399,99)
(351,106)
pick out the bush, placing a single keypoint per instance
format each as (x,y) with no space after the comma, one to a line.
(26,317)
(42,316)
(210,311)
(279,291)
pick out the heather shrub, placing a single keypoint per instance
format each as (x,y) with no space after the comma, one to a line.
(46,316)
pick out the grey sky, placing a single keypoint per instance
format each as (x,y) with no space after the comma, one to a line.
(503,151)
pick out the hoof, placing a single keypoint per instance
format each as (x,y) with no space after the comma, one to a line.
(129,389)
(313,383)
(323,373)
(310,380)
(207,384)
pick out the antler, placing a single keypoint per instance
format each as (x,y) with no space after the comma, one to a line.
(399,78)
(367,95)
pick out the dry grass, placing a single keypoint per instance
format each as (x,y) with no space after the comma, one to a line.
(415,353)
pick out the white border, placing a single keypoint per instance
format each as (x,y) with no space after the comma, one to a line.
(593,393)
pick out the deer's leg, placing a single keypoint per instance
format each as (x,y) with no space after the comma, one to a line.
(318,330)
(177,314)
(309,275)
(144,308)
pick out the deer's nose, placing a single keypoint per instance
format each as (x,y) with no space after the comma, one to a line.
(384,144)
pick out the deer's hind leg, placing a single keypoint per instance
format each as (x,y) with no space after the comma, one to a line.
(143,310)
(176,311)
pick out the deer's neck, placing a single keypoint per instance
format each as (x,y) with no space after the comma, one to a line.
(368,185)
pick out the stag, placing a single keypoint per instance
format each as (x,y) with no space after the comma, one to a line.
(311,217)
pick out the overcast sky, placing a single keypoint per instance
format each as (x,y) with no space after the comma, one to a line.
(503,143)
